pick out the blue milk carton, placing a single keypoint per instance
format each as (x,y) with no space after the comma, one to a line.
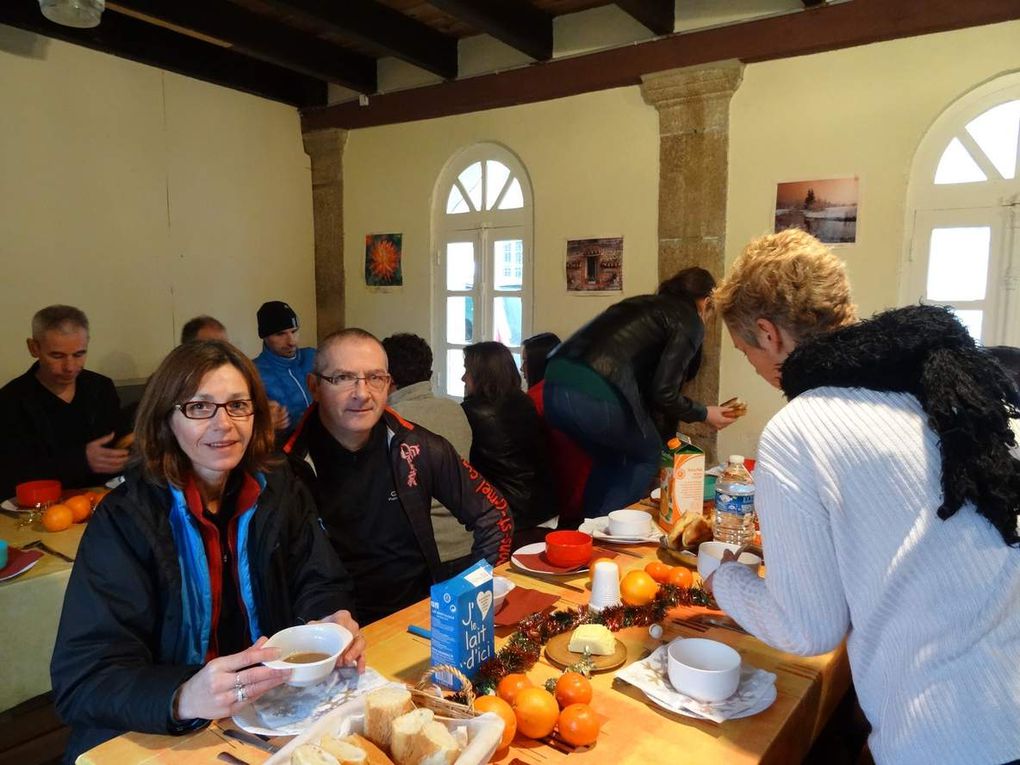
(462,630)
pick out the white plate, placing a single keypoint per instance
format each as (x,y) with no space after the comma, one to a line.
(113,483)
(11,506)
(764,703)
(656,494)
(534,549)
(599,529)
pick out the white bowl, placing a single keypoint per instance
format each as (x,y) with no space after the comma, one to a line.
(328,638)
(710,556)
(501,587)
(629,523)
(706,670)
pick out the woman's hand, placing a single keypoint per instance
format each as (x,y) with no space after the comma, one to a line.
(355,653)
(228,683)
(727,556)
(718,417)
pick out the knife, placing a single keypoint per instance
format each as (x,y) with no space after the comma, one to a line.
(251,739)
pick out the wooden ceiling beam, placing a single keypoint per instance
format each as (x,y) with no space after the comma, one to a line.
(657,15)
(514,22)
(136,40)
(829,27)
(261,38)
(377,26)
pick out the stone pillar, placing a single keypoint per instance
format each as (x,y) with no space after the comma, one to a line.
(326,149)
(694,107)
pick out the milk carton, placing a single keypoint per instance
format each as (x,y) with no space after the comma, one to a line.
(462,630)
(682,481)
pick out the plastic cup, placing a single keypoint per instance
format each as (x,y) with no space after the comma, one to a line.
(605,585)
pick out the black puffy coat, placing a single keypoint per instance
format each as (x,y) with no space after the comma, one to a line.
(508,447)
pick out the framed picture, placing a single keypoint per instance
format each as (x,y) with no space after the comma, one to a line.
(826,209)
(595,265)
(383,253)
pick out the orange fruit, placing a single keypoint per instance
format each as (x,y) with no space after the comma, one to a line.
(637,588)
(81,507)
(579,725)
(681,577)
(505,711)
(658,571)
(57,518)
(510,685)
(97,495)
(536,711)
(572,688)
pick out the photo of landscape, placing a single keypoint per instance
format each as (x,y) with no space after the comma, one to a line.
(826,209)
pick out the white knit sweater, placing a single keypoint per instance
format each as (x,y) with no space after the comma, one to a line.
(847,488)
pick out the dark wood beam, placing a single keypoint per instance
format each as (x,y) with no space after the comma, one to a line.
(148,44)
(261,38)
(657,15)
(828,27)
(515,22)
(377,26)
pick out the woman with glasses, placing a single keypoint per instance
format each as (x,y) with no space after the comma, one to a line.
(207,548)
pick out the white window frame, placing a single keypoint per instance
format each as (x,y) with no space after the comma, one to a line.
(482,228)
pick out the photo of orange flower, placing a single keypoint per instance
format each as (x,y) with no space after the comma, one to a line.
(382,260)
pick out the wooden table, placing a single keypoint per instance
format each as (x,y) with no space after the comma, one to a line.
(31,605)
(635,731)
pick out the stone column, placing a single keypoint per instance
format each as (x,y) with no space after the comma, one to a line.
(694,107)
(326,149)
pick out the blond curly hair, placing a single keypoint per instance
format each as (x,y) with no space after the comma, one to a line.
(791,279)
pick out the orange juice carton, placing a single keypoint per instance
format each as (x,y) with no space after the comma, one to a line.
(462,627)
(681,480)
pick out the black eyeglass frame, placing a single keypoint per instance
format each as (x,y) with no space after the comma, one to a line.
(182,408)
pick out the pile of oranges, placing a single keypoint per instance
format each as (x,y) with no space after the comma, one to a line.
(76,509)
(535,712)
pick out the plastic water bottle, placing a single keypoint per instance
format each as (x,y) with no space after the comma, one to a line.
(734,504)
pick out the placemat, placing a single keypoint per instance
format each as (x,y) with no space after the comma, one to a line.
(521,602)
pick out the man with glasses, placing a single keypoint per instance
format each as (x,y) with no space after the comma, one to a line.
(283,365)
(374,476)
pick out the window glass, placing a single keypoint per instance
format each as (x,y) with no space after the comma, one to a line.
(455,203)
(506,320)
(508,266)
(514,197)
(996,132)
(460,266)
(972,320)
(957,166)
(496,174)
(958,263)
(471,180)
(455,371)
(460,320)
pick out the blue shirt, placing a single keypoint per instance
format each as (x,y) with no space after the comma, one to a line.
(286,381)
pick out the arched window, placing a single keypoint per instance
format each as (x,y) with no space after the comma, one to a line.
(482,224)
(964,249)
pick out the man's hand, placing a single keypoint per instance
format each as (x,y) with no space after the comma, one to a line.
(280,415)
(355,653)
(718,417)
(102,459)
(228,683)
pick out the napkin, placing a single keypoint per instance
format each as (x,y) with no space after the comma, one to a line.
(522,601)
(18,561)
(651,677)
(538,561)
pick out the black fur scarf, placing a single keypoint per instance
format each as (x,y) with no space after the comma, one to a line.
(925,351)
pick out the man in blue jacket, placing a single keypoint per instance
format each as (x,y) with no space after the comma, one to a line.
(283,366)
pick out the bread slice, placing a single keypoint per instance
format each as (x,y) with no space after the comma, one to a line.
(310,754)
(406,731)
(690,531)
(435,745)
(382,707)
(376,756)
(345,752)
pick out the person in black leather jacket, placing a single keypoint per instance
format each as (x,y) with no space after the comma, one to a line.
(614,386)
(507,441)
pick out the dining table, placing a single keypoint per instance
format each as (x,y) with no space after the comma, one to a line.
(634,730)
(30,604)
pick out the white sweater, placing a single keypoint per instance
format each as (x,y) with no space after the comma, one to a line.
(847,489)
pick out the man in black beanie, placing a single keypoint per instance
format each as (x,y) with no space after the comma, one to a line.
(283,365)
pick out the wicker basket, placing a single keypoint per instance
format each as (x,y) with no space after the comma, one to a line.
(428,694)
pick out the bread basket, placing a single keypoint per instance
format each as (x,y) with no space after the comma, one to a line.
(429,694)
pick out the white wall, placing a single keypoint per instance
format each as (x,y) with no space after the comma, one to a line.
(143,198)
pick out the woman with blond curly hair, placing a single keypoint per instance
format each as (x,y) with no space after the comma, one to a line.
(888,503)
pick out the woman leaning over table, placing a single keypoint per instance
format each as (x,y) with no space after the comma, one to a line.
(207,547)
(888,503)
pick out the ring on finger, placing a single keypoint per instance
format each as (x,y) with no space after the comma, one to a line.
(237,681)
(240,694)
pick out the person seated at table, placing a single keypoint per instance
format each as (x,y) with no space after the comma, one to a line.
(888,504)
(208,547)
(507,440)
(614,386)
(203,328)
(411,396)
(58,419)
(571,465)
(374,476)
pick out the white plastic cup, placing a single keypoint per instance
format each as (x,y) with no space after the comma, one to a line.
(605,585)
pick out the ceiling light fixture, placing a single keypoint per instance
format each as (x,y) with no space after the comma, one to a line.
(82,14)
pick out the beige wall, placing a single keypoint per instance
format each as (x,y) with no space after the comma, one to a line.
(144,198)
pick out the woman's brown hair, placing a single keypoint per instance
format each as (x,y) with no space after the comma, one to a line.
(492,368)
(176,381)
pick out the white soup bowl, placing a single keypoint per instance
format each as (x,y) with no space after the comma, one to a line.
(629,523)
(327,637)
(706,670)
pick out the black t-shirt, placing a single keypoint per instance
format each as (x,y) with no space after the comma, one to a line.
(231,630)
(366,523)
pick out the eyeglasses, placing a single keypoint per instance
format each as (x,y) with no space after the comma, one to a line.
(238,409)
(347,381)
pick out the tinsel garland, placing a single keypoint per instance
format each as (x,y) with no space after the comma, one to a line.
(522,648)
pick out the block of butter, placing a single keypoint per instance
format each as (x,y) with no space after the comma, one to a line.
(595,638)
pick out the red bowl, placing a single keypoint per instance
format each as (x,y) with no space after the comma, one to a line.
(568,549)
(37,493)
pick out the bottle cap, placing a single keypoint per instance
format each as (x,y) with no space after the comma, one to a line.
(737,458)
(674,443)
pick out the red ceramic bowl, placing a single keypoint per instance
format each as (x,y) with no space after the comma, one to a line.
(37,493)
(568,549)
